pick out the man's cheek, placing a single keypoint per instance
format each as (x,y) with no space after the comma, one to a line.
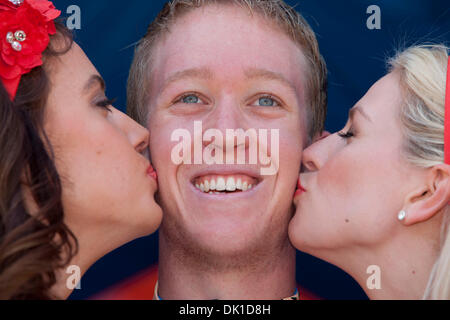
(291,152)
(289,171)
(160,142)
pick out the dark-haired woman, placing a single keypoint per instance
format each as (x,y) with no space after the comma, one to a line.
(74,181)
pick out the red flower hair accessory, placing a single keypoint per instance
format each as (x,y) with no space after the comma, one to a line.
(25,29)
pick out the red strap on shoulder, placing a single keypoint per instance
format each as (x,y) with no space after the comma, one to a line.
(447,118)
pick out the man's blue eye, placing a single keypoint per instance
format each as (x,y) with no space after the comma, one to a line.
(191,99)
(267,102)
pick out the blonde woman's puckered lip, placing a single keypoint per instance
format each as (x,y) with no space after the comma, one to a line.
(300,189)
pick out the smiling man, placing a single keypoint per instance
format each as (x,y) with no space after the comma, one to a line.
(228,65)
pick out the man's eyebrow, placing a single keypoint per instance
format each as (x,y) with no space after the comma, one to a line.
(201,73)
(269,75)
(358,108)
(93,81)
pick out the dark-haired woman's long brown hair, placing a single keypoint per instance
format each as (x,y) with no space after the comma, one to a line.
(34,241)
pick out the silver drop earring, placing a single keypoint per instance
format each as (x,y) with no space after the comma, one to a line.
(402,215)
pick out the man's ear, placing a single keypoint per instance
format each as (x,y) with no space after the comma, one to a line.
(425,202)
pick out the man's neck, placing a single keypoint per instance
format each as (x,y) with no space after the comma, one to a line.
(272,277)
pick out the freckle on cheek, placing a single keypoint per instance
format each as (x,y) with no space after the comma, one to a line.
(347,221)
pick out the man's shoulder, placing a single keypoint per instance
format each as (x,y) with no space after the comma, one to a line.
(141,287)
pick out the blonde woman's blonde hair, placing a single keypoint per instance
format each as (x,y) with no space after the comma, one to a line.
(277,11)
(423,72)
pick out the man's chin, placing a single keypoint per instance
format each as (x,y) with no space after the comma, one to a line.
(225,234)
(225,253)
(226,247)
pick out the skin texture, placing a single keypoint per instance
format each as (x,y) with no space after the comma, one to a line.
(108,196)
(226,246)
(355,188)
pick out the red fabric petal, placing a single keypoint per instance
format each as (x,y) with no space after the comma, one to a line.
(35,18)
(30,62)
(7,5)
(9,72)
(45,8)
(51,28)
(7,57)
(11,86)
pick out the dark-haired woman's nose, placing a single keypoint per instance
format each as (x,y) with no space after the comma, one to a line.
(142,140)
(139,137)
(137,134)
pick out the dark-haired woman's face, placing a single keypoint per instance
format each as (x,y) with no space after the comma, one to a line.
(107,185)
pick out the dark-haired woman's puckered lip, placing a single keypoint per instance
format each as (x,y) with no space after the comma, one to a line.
(152,173)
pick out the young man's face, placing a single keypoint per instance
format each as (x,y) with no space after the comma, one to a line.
(228,70)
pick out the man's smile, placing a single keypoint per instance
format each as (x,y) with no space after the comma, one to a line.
(226,180)
(222,184)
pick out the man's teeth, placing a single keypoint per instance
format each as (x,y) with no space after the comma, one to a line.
(212,184)
(221,185)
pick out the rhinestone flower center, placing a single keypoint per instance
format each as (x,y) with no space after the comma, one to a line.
(16,2)
(15,39)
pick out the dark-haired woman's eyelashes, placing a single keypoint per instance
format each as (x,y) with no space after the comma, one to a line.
(106,103)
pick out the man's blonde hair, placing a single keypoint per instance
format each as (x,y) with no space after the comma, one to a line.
(284,16)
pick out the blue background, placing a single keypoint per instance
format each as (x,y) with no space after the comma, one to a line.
(355,57)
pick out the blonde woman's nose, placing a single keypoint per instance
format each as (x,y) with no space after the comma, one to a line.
(316,155)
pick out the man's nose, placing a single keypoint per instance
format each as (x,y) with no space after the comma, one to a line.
(317,155)
(226,116)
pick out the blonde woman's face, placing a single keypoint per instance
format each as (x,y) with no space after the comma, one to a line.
(355,185)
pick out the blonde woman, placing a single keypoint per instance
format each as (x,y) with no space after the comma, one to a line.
(373,199)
